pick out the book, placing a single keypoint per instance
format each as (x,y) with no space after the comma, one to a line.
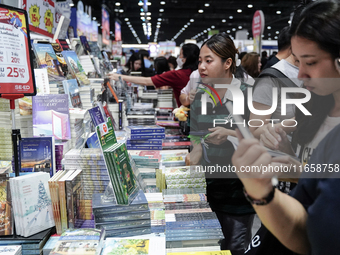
(144,129)
(96,115)
(63,43)
(41,81)
(6,223)
(51,116)
(58,49)
(153,142)
(11,249)
(75,67)
(143,147)
(85,44)
(80,241)
(37,154)
(25,106)
(62,200)
(47,59)
(33,201)
(151,244)
(146,136)
(61,30)
(72,90)
(92,141)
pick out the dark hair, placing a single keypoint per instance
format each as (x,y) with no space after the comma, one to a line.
(250,63)
(173,61)
(131,61)
(264,54)
(222,46)
(191,53)
(144,53)
(242,54)
(318,22)
(161,65)
(283,42)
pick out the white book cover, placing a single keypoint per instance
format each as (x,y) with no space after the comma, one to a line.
(10,249)
(36,204)
(41,81)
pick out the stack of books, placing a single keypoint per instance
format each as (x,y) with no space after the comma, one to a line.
(122,220)
(184,177)
(29,245)
(189,218)
(32,204)
(145,117)
(61,148)
(50,244)
(87,94)
(165,98)
(77,127)
(144,137)
(95,176)
(96,83)
(156,206)
(25,124)
(174,158)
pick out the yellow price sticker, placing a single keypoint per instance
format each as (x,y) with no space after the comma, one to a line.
(34,15)
(48,20)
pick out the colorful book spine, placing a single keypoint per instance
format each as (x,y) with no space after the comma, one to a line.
(145,130)
(62,199)
(144,142)
(143,147)
(146,136)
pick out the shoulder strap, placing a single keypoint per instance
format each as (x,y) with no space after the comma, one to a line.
(274,73)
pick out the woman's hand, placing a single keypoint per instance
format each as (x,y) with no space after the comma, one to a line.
(219,135)
(275,138)
(114,76)
(250,160)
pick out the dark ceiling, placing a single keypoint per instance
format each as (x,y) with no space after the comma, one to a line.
(178,13)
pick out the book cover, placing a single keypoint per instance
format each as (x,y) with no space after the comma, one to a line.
(79,241)
(11,249)
(75,67)
(72,90)
(96,115)
(106,134)
(143,147)
(41,81)
(6,218)
(95,50)
(63,43)
(85,44)
(35,203)
(37,154)
(51,116)
(146,136)
(92,141)
(47,59)
(58,49)
(144,129)
(154,142)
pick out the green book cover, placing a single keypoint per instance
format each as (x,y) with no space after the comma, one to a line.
(106,134)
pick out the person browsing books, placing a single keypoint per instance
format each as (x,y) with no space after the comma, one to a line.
(217,64)
(310,214)
(176,79)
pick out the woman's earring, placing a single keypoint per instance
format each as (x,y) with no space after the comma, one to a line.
(337,64)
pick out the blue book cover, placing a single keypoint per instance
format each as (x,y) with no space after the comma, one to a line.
(72,90)
(75,67)
(96,116)
(51,116)
(146,136)
(92,141)
(145,129)
(144,148)
(37,155)
(144,142)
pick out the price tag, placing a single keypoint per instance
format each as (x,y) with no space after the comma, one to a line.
(15,62)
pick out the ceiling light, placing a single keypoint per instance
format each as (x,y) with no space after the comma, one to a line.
(94,18)
(161,10)
(98,24)
(129,25)
(234,29)
(212,26)
(142,14)
(239,27)
(149,24)
(148,13)
(121,10)
(223,20)
(207,5)
(71,4)
(277,32)
(250,6)
(239,10)
(159,19)
(158,23)
(289,22)
(209,29)
(128,22)
(148,3)
(200,11)
(142,18)
(117,3)
(162,2)
(228,31)
(269,38)
(269,27)
(231,17)
(205,31)
(278,12)
(148,18)
(116,10)
(126,19)
(158,26)
(111,32)
(188,23)
(185,26)
(192,20)
(275,37)
(269,34)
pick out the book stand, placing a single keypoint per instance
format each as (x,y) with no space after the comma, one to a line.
(16,136)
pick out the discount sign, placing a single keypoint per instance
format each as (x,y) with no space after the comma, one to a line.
(15,63)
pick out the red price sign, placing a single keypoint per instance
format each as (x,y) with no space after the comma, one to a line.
(16,68)
(258,24)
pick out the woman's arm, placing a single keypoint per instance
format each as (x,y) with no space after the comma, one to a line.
(144,81)
(284,216)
